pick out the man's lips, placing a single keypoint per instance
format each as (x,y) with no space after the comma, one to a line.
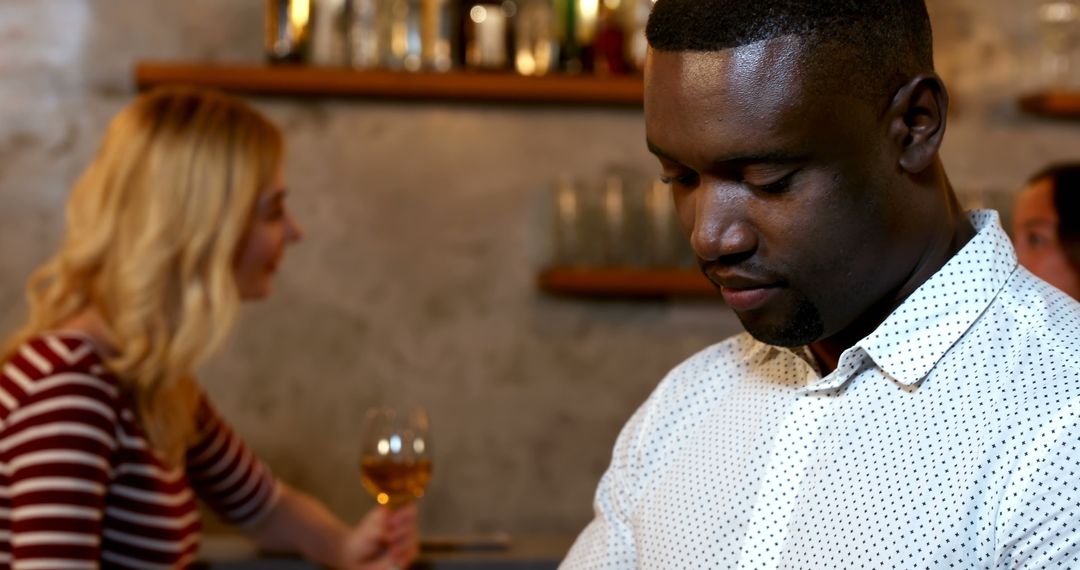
(744,293)
(748,298)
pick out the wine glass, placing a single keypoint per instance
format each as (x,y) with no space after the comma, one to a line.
(395,460)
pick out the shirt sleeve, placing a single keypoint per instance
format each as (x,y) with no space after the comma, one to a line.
(1039,522)
(55,445)
(607,541)
(226,475)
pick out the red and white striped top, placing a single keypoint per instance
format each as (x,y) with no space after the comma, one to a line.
(79,487)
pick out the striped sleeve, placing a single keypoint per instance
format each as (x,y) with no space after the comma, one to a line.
(226,475)
(57,434)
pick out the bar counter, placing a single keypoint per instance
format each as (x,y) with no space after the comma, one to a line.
(525,552)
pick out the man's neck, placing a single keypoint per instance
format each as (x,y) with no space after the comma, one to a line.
(939,251)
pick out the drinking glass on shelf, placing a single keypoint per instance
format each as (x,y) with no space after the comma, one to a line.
(1058,21)
(660,228)
(613,197)
(667,244)
(395,460)
(567,222)
(578,216)
(624,217)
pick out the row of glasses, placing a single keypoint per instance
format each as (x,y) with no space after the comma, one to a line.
(622,218)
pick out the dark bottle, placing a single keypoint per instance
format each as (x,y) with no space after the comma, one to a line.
(609,53)
(575,55)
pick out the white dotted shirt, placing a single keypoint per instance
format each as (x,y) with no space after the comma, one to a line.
(947,438)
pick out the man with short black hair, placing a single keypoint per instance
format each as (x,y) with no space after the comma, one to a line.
(905,396)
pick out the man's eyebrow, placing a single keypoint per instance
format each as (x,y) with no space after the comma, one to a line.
(775,157)
(772,157)
(1039,224)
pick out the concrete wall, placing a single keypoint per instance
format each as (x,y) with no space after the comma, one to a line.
(415,280)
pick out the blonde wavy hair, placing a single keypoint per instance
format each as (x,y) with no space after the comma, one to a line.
(154,225)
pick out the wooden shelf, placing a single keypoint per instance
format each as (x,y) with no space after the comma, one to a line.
(626,282)
(453,86)
(1053,104)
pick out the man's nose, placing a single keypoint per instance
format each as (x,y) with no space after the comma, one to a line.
(722,230)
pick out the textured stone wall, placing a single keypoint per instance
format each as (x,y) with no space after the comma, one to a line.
(424,231)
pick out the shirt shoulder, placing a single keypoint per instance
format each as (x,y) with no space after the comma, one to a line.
(53,368)
(1040,324)
(683,399)
(711,370)
(1027,343)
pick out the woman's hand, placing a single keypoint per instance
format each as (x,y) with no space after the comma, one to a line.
(384,539)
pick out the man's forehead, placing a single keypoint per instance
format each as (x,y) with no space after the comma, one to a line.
(756,100)
(752,91)
(758,68)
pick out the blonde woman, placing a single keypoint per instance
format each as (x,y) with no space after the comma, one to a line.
(106,439)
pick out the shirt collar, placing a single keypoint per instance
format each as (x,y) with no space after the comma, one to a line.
(911,340)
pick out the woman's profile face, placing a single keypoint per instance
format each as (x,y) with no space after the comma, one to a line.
(1035,232)
(272,228)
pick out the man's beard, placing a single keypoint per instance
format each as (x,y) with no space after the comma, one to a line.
(802,328)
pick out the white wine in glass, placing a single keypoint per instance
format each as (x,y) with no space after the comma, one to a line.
(395,460)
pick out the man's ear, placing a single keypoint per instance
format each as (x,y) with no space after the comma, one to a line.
(917,117)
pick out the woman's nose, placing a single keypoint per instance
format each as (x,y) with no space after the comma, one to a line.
(295,231)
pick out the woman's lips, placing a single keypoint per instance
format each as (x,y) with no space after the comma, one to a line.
(748,298)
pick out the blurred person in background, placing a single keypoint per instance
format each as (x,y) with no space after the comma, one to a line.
(106,438)
(1046,227)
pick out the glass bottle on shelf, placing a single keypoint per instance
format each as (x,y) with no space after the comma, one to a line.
(487,33)
(399,33)
(635,19)
(328,33)
(568,17)
(609,46)
(536,49)
(437,30)
(362,35)
(287,34)
(579,23)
